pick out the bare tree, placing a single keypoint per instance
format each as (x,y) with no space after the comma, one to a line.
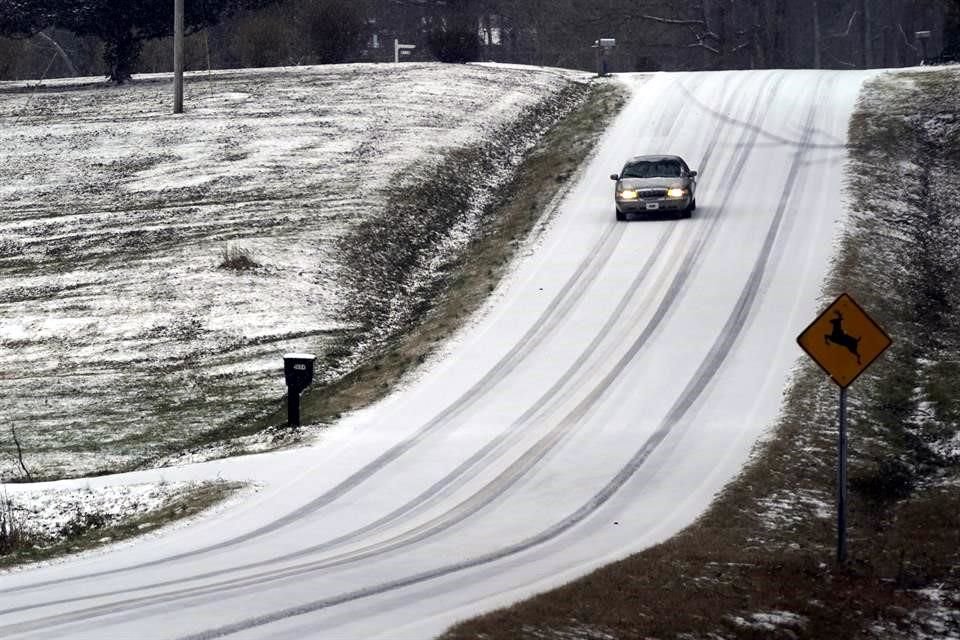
(651,34)
(23,466)
(867,41)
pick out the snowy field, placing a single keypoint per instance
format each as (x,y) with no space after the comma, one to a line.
(121,335)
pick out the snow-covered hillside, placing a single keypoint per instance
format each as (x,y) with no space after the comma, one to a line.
(121,333)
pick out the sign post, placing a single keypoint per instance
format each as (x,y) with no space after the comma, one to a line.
(842,480)
(401,50)
(844,341)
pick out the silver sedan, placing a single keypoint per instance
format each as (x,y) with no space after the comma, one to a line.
(655,185)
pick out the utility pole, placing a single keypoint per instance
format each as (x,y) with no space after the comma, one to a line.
(178,56)
(867,37)
(817,64)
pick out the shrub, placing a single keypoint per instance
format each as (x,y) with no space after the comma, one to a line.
(887,480)
(454,45)
(81,522)
(12,536)
(237,259)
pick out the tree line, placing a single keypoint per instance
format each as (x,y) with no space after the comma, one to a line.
(116,38)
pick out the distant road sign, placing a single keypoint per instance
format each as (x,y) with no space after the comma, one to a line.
(401,49)
(844,340)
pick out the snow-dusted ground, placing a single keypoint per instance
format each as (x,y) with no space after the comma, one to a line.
(618,379)
(43,514)
(119,334)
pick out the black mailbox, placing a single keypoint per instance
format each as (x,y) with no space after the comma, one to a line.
(298,372)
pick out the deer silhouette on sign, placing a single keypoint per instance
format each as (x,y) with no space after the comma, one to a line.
(840,338)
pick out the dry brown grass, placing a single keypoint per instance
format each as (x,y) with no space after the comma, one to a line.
(12,536)
(234,258)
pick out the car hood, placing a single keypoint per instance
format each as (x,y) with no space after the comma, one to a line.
(654,183)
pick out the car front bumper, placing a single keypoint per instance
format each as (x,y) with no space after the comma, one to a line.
(652,206)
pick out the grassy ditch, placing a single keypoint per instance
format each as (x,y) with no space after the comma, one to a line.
(759,563)
(86,529)
(434,307)
(405,309)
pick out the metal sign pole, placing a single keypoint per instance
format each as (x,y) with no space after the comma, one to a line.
(842,481)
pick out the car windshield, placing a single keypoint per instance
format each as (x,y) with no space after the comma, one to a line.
(658,169)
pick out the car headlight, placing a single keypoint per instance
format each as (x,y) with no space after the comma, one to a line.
(676,193)
(628,194)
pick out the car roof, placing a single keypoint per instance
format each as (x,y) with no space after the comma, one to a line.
(653,159)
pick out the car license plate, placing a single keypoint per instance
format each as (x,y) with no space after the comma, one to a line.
(653,205)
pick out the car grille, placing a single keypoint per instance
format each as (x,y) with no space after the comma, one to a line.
(652,193)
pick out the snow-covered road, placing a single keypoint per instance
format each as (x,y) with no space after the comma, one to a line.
(613,385)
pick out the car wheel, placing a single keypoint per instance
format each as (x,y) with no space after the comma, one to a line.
(693,205)
(621,216)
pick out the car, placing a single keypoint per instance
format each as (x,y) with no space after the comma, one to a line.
(655,185)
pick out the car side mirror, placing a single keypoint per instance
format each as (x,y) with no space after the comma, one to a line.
(614,177)
(693,174)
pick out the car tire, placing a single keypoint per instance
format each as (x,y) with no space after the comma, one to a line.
(621,216)
(693,205)
(688,212)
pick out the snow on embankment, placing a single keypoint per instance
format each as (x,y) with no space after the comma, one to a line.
(122,330)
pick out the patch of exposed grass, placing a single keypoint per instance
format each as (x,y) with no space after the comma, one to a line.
(766,545)
(12,534)
(464,286)
(234,258)
(88,530)
(468,282)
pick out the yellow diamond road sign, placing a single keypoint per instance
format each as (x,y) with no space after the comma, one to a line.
(844,340)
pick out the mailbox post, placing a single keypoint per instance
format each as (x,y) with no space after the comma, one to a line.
(298,372)
(923,37)
(603,47)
